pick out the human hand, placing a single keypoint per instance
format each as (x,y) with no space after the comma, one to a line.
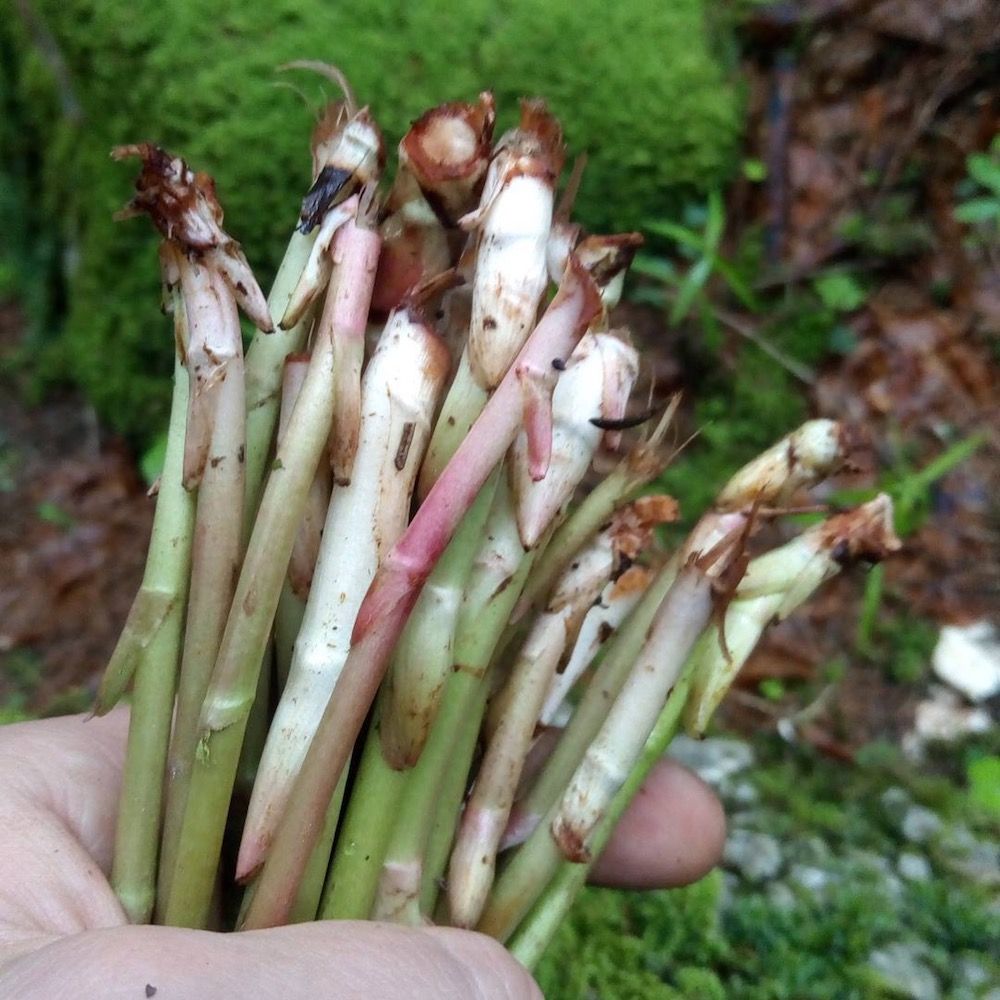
(63,933)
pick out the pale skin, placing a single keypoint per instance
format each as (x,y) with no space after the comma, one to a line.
(63,934)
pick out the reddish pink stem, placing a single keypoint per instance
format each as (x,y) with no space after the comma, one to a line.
(394,591)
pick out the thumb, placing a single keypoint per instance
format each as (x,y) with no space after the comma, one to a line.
(331,960)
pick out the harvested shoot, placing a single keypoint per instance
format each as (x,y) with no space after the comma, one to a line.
(428,559)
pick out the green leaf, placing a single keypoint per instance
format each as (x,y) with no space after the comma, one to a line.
(984,169)
(754,170)
(716,222)
(676,232)
(692,284)
(977,210)
(53,514)
(772,688)
(654,267)
(151,463)
(840,291)
(736,284)
(983,774)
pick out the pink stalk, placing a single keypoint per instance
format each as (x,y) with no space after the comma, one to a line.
(394,591)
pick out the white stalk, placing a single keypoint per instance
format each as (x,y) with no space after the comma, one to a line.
(513,221)
(614,605)
(776,584)
(679,620)
(799,459)
(596,382)
(401,388)
(473,860)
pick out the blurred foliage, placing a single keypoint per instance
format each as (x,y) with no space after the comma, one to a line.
(641,87)
(979,193)
(745,374)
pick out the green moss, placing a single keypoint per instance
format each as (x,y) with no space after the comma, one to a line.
(635,83)
(749,943)
(659,946)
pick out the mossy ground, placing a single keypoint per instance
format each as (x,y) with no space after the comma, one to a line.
(799,934)
(637,85)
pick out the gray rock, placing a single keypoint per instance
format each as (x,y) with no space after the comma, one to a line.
(781,896)
(740,793)
(900,966)
(756,856)
(980,862)
(920,824)
(810,878)
(914,867)
(895,801)
(712,760)
(970,972)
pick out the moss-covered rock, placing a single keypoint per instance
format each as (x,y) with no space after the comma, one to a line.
(636,84)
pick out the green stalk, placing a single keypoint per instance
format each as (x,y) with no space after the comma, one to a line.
(234,681)
(217,545)
(397,897)
(449,806)
(313,878)
(589,714)
(490,596)
(265,362)
(287,622)
(364,836)
(536,931)
(165,580)
(424,655)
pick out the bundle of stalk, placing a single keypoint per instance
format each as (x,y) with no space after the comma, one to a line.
(362,625)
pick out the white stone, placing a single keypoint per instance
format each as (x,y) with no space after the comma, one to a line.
(756,856)
(914,867)
(944,717)
(814,880)
(968,658)
(899,964)
(713,759)
(920,824)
